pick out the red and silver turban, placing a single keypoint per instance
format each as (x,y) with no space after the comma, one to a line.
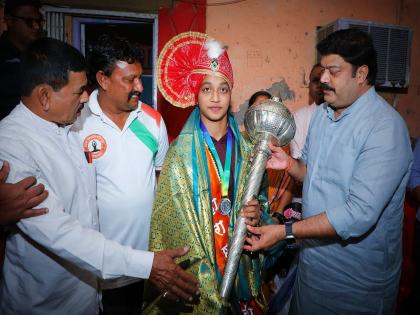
(184,62)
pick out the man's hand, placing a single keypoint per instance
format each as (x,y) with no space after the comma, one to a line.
(278,159)
(264,237)
(171,279)
(251,212)
(18,200)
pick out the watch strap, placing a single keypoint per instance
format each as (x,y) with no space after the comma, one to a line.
(289,229)
(290,238)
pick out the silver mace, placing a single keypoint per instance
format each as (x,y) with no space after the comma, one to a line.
(269,122)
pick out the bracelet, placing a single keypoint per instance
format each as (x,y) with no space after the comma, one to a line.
(289,164)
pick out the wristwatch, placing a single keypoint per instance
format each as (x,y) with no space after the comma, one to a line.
(290,238)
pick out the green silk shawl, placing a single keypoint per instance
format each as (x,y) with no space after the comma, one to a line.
(182,216)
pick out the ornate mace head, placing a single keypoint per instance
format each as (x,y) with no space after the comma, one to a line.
(270,121)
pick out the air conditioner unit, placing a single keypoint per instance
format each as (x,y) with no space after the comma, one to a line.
(393,46)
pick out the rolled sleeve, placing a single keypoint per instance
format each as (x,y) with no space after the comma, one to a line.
(379,170)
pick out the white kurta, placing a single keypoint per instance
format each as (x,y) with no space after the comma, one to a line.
(52,260)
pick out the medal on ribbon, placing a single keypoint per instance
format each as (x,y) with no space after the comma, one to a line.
(225,205)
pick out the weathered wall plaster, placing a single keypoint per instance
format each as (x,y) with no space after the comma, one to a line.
(273,41)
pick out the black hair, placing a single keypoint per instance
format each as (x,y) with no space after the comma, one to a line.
(49,61)
(109,49)
(254,96)
(10,6)
(355,47)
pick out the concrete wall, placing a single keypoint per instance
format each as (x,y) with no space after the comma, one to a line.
(272,45)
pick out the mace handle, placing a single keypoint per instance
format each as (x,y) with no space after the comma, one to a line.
(235,248)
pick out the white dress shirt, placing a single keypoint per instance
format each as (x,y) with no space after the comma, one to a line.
(52,260)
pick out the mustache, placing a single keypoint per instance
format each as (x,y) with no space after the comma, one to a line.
(133,94)
(325,86)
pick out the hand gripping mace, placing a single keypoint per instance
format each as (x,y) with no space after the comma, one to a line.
(268,122)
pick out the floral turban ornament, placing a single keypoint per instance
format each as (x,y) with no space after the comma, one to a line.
(184,62)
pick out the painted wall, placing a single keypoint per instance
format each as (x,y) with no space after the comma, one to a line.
(272,42)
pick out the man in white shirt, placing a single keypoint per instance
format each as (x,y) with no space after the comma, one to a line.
(303,115)
(303,118)
(126,141)
(52,261)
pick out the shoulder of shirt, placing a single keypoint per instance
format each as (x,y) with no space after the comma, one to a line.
(15,121)
(152,113)
(19,132)
(380,109)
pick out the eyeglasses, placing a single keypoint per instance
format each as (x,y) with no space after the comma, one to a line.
(30,22)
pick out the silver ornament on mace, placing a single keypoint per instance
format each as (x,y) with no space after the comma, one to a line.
(268,122)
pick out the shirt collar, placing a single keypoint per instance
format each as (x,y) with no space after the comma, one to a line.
(43,124)
(222,140)
(364,98)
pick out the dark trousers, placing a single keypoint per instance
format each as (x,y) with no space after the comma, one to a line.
(126,300)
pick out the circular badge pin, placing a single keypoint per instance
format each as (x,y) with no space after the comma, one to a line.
(95,145)
(225,206)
